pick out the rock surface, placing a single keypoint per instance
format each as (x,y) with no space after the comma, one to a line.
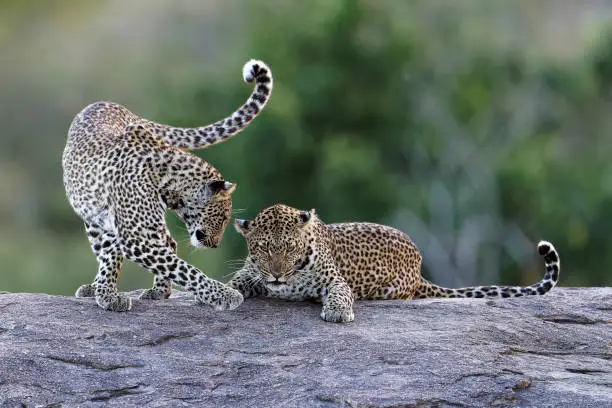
(550,351)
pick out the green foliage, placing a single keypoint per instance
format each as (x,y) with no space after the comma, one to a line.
(362,123)
(421,115)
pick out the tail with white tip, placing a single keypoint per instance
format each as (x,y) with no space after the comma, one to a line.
(205,136)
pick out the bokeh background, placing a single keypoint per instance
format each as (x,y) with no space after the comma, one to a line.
(477,127)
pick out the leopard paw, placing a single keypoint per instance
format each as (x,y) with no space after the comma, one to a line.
(115,303)
(154,294)
(337,315)
(88,290)
(224,298)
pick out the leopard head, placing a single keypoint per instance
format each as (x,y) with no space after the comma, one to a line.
(205,209)
(277,240)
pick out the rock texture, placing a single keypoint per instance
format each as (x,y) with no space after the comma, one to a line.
(550,351)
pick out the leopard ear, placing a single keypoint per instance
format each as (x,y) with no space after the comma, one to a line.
(215,187)
(307,216)
(243,227)
(229,188)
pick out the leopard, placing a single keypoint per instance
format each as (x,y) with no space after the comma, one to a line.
(293,255)
(122,173)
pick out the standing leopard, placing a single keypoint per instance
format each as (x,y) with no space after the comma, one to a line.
(294,255)
(122,172)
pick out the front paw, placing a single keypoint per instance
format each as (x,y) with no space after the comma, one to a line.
(240,287)
(88,290)
(337,315)
(114,302)
(154,294)
(224,298)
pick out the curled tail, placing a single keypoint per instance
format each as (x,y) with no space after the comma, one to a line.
(195,138)
(551,277)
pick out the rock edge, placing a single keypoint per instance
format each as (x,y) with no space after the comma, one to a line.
(545,351)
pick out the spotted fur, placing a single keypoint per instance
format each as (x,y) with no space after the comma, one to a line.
(122,173)
(294,255)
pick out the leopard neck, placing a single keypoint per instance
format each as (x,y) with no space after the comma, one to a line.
(179,169)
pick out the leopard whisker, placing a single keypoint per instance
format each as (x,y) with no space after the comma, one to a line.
(234,261)
(227,275)
(237,211)
(255,281)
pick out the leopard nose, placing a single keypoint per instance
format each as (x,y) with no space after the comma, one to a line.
(200,236)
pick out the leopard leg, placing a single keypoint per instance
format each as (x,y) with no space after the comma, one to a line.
(338,302)
(89,289)
(399,287)
(161,260)
(105,246)
(162,287)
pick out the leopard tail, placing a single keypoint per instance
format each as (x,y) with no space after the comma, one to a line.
(551,277)
(205,136)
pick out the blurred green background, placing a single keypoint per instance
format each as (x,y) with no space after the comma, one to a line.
(477,127)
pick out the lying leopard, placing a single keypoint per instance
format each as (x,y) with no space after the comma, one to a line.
(121,174)
(294,255)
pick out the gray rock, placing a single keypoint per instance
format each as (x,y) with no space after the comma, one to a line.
(550,351)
